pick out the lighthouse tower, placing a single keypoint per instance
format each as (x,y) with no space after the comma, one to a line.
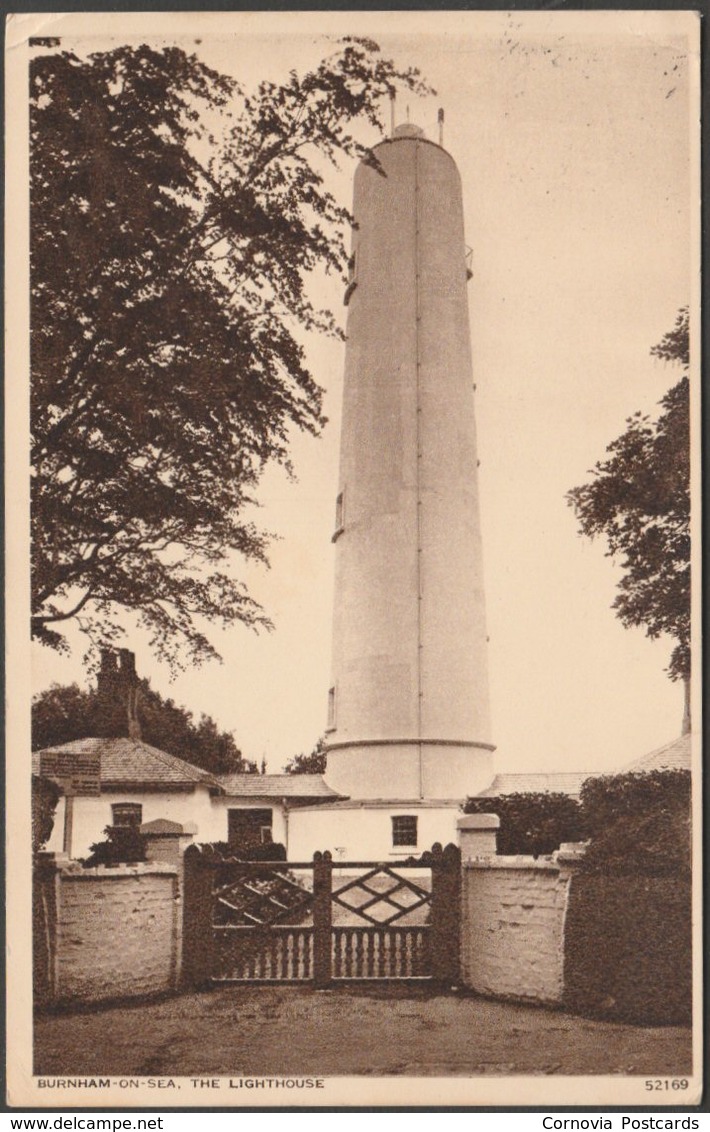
(408,714)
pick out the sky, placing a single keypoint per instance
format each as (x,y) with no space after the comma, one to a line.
(576,138)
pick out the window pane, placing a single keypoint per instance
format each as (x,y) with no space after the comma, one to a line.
(404,830)
(127,813)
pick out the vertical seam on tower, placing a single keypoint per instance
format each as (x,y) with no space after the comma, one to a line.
(417,312)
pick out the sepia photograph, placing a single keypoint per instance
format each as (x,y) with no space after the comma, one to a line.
(353,491)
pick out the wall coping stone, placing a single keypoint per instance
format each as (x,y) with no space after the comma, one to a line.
(541,864)
(100,872)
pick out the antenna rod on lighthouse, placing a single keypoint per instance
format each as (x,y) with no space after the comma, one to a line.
(393,99)
(441,125)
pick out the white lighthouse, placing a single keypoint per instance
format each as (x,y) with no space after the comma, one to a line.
(408,734)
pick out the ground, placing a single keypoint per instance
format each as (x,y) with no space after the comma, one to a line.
(296,1031)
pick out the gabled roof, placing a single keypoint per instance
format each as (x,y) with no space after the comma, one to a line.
(673,756)
(555,782)
(276,786)
(131,763)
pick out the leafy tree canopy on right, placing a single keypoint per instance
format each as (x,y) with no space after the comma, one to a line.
(639,500)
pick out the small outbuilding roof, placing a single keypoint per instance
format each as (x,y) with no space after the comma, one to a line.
(276,786)
(673,756)
(133,764)
(555,782)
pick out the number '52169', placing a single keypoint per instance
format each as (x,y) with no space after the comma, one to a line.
(667,1083)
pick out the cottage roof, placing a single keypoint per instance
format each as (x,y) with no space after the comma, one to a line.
(555,782)
(276,786)
(131,763)
(404,804)
(672,756)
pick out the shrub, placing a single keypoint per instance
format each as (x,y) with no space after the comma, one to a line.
(638,823)
(532,824)
(627,948)
(124,845)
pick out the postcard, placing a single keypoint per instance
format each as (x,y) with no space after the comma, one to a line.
(353,469)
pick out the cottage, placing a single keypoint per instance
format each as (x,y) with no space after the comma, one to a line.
(139,784)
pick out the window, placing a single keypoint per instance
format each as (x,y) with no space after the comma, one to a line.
(126,814)
(339,521)
(249,826)
(331,710)
(404,830)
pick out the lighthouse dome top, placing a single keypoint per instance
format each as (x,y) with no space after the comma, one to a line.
(408,130)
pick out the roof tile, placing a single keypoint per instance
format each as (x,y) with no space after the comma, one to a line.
(672,756)
(562,782)
(131,761)
(277,785)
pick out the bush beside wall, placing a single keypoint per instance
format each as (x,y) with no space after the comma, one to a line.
(627,948)
(534,824)
(638,824)
(628,925)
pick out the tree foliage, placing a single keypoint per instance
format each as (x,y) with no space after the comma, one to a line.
(533,824)
(175,221)
(638,823)
(64,713)
(639,500)
(314,763)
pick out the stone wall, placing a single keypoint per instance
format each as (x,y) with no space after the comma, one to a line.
(106,933)
(512,937)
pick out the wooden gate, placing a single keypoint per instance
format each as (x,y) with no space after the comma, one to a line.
(313,922)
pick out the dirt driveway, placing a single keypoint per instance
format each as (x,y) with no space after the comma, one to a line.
(410,1031)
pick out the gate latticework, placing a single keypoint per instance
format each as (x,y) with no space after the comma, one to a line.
(247,921)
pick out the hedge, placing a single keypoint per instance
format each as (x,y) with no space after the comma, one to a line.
(629,914)
(627,948)
(638,824)
(532,824)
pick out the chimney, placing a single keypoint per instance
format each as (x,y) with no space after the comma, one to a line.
(129,679)
(118,695)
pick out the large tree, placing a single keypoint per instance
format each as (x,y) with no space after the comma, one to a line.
(63,713)
(175,222)
(639,500)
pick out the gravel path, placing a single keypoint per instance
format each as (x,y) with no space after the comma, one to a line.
(409,1031)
